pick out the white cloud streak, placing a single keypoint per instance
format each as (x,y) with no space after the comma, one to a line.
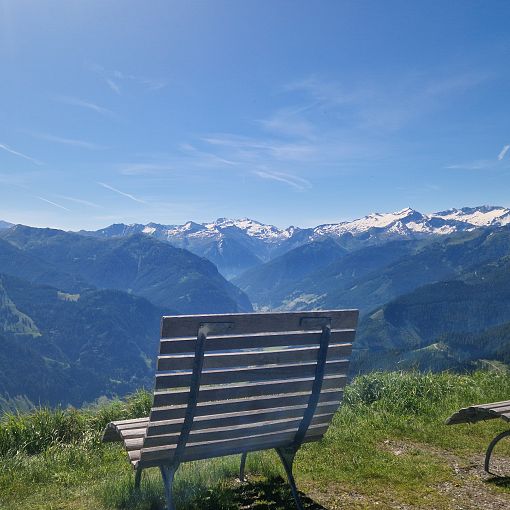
(20,154)
(115,190)
(503,152)
(294,181)
(113,85)
(80,201)
(54,204)
(145,168)
(481,164)
(68,141)
(113,77)
(74,101)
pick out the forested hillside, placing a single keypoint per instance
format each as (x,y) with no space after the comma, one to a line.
(449,324)
(80,316)
(61,348)
(170,277)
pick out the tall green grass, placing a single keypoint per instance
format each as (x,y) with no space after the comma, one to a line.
(35,431)
(55,458)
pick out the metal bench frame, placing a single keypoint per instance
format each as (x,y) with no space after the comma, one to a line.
(320,321)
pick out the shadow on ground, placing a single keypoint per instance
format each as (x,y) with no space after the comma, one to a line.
(500,481)
(255,494)
(271,494)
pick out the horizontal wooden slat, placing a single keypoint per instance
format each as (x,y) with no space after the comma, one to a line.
(134,422)
(242,405)
(235,419)
(501,408)
(253,358)
(253,341)
(134,444)
(134,456)
(219,376)
(132,433)
(493,405)
(231,432)
(116,431)
(219,448)
(236,391)
(187,325)
(481,412)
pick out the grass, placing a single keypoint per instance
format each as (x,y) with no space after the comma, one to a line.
(387,447)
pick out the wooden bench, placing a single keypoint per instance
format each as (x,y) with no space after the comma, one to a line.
(480,412)
(237,383)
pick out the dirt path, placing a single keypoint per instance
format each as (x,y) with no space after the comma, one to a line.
(471,488)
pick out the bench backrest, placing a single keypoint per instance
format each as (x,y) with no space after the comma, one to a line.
(231,383)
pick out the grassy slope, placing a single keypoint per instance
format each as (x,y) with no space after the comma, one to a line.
(387,448)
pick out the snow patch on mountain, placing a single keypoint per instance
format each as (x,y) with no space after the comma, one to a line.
(483,216)
(407,223)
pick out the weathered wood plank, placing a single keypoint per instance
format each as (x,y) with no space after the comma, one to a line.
(255,374)
(218,448)
(491,405)
(241,418)
(235,391)
(187,325)
(232,432)
(115,431)
(253,358)
(134,456)
(132,433)
(243,405)
(134,443)
(120,424)
(254,341)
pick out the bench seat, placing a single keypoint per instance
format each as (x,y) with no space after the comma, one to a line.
(480,412)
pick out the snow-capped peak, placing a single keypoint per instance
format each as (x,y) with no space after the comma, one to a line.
(250,227)
(374,220)
(482,216)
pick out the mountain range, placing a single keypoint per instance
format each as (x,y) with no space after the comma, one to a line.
(237,245)
(79,311)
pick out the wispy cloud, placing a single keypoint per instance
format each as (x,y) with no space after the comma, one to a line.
(113,77)
(74,101)
(115,190)
(294,181)
(80,201)
(503,152)
(113,85)
(480,164)
(145,168)
(68,141)
(20,154)
(54,204)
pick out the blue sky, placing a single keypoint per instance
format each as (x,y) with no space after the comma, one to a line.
(288,112)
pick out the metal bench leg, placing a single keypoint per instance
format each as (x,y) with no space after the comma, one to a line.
(243,465)
(138,478)
(287,457)
(494,442)
(168,473)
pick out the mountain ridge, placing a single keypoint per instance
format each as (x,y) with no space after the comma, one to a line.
(236,245)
